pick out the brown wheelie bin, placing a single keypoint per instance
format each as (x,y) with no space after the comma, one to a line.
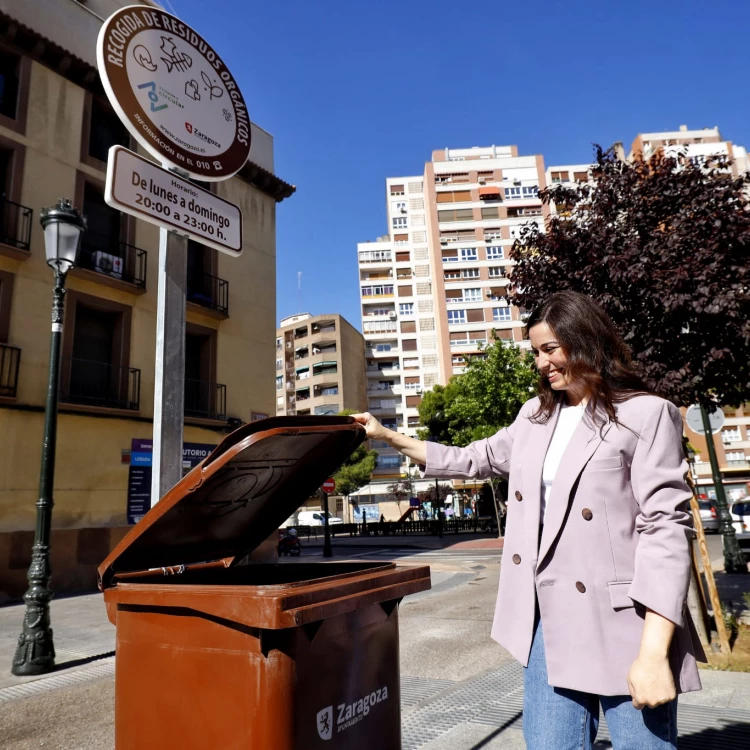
(217,653)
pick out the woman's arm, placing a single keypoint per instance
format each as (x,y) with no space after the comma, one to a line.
(662,557)
(664,524)
(480,459)
(409,446)
(650,677)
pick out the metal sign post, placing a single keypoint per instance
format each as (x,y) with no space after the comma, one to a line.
(169,372)
(178,99)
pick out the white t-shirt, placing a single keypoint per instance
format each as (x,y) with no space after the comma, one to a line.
(569,418)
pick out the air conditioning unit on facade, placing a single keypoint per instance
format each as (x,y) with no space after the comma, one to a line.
(109,264)
(392,315)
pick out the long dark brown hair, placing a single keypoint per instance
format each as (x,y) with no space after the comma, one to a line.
(598,358)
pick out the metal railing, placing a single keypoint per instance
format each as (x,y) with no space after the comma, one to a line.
(205,400)
(209,291)
(90,383)
(15,224)
(116,259)
(10,359)
(430,527)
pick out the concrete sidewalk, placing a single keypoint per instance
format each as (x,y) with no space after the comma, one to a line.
(459,691)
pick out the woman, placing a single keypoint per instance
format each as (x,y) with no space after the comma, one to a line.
(596,559)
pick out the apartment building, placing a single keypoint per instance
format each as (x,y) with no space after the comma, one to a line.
(320,365)
(435,286)
(733,454)
(568,174)
(698,144)
(56,126)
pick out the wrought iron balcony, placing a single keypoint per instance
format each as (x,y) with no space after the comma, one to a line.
(209,291)
(205,400)
(91,383)
(10,359)
(15,224)
(116,259)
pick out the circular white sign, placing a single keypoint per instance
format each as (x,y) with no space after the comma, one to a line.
(173,92)
(695,421)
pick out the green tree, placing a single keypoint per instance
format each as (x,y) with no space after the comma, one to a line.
(483,399)
(490,392)
(432,413)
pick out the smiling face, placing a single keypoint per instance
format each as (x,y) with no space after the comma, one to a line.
(550,358)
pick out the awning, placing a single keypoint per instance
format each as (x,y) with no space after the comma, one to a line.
(302,369)
(489,191)
(326,364)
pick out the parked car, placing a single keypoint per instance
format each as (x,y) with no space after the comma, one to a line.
(315,518)
(740,512)
(709,516)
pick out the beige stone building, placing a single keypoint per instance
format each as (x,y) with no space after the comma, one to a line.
(320,365)
(55,128)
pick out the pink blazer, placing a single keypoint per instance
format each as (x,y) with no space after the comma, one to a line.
(616,540)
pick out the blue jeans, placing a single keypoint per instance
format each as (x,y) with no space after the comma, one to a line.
(562,719)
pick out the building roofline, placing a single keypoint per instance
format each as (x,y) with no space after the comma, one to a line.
(81,73)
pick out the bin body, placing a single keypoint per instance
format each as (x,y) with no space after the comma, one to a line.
(186,679)
(217,654)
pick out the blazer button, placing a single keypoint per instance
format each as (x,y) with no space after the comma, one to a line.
(517,559)
(519,496)
(580,587)
(587,514)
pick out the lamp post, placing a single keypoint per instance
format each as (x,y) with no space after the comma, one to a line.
(63,226)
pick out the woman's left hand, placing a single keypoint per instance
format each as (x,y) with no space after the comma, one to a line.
(650,681)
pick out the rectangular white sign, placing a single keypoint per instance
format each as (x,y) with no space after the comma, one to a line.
(139,187)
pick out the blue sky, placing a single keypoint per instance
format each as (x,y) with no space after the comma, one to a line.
(354,92)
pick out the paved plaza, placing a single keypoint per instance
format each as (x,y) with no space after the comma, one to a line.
(459,689)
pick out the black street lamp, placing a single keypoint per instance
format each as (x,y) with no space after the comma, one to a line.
(63,226)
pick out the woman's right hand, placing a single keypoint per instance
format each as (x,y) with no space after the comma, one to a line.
(373,428)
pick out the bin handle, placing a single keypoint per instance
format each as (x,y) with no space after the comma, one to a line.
(172,570)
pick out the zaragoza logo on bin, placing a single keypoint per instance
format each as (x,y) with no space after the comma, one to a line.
(349,714)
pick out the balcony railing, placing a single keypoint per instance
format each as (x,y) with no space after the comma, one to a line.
(15,224)
(205,400)
(10,359)
(209,291)
(91,383)
(118,260)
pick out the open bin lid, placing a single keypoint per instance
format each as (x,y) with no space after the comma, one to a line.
(232,501)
